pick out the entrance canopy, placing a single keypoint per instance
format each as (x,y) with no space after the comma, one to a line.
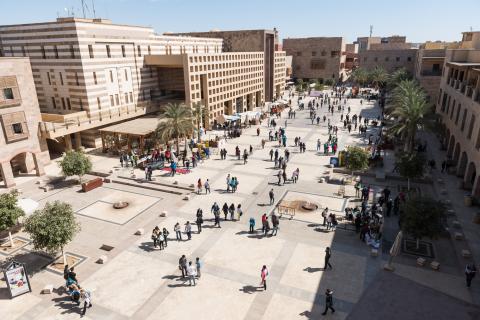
(136,127)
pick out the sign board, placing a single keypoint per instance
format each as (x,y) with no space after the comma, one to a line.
(17,279)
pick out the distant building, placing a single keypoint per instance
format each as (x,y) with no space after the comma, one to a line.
(21,150)
(319,58)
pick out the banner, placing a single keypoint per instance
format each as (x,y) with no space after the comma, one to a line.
(17,279)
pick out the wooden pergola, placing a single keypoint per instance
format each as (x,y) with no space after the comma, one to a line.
(136,129)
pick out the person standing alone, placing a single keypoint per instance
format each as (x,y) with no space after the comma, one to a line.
(272,197)
(264,275)
(328,254)
(328,302)
(470,272)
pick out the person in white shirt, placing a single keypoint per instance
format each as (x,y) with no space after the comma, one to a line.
(191,272)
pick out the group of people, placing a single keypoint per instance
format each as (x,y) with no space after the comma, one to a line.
(189,269)
(77,294)
(232,183)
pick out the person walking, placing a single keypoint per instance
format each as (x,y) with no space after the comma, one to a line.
(239,212)
(470,272)
(328,254)
(324,216)
(251,223)
(198,265)
(275,223)
(178,232)
(191,272)
(165,234)
(86,298)
(199,186)
(155,234)
(207,186)
(263,276)
(272,196)
(328,302)
(231,210)
(182,265)
(225,210)
(199,220)
(188,230)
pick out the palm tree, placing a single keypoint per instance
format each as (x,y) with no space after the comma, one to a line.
(176,122)
(360,76)
(378,77)
(199,115)
(409,108)
(396,77)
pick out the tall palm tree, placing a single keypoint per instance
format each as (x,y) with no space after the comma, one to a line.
(360,76)
(378,77)
(409,108)
(397,77)
(199,113)
(176,122)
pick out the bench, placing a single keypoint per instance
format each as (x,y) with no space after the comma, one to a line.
(435,265)
(421,262)
(466,253)
(92,184)
(458,236)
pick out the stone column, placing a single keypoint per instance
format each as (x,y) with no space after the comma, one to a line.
(7,174)
(78,140)
(68,142)
(39,169)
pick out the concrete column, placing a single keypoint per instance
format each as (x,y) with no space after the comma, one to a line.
(68,142)
(78,140)
(7,174)
(39,169)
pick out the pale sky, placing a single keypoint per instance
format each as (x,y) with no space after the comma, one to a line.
(419,20)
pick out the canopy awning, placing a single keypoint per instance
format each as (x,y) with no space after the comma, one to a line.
(136,127)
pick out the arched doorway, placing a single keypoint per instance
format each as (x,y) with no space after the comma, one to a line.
(470,176)
(462,166)
(22,164)
(456,153)
(450,147)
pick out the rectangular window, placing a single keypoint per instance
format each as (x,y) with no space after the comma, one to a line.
(95,77)
(409,59)
(8,93)
(17,128)
(126,97)
(470,129)
(314,53)
(453,109)
(44,54)
(139,50)
(123,51)
(54,103)
(112,102)
(108,51)
(90,51)
(69,105)
(131,97)
(23,51)
(111,76)
(117,99)
(458,113)
(61,78)
(126,75)
(72,52)
(397,59)
(81,104)
(55,51)
(464,119)
(149,51)
(76,79)
(63,104)
(99,105)
(49,79)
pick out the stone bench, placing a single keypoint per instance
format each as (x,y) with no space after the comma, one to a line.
(163,214)
(421,262)
(48,289)
(466,253)
(456,224)
(374,252)
(92,184)
(435,265)
(458,236)
(450,212)
(140,232)
(102,260)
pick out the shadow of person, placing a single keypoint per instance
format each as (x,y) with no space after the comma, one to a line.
(312,270)
(249,289)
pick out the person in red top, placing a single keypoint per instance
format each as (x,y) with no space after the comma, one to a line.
(264,222)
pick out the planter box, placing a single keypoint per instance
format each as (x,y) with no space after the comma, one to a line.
(92,184)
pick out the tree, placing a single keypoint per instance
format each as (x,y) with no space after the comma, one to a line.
(319,86)
(176,122)
(75,163)
(422,217)
(357,158)
(360,76)
(408,108)
(9,212)
(411,165)
(397,77)
(378,77)
(199,112)
(53,227)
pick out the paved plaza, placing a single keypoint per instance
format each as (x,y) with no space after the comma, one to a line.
(139,282)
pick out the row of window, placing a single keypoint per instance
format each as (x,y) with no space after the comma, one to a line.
(323,53)
(227,57)
(397,59)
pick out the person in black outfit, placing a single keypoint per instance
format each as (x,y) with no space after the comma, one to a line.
(328,302)
(328,254)
(199,219)
(470,272)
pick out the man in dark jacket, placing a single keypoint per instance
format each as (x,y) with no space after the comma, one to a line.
(328,302)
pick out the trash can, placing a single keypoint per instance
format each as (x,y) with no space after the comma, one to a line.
(467,199)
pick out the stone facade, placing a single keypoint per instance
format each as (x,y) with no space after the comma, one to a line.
(90,73)
(428,71)
(458,105)
(21,150)
(390,59)
(319,58)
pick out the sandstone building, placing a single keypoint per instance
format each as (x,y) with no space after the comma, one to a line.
(21,151)
(318,58)
(459,106)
